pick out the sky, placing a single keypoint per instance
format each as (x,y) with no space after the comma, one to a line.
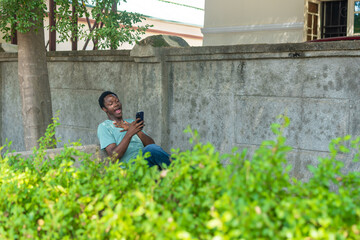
(183,11)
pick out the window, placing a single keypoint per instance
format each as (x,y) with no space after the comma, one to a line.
(313,14)
(354,13)
(331,18)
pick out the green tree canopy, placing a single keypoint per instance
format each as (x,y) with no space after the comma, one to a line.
(110,29)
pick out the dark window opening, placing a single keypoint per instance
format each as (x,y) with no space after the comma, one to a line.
(334,19)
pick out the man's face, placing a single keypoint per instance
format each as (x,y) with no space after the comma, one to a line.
(113,106)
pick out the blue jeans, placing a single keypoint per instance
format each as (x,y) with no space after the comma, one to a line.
(158,156)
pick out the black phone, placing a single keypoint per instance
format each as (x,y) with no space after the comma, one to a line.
(140,115)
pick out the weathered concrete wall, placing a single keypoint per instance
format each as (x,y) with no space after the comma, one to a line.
(231,94)
(78,80)
(11,124)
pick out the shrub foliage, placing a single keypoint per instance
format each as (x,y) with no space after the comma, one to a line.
(195,198)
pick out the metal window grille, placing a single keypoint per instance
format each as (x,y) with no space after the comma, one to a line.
(334,19)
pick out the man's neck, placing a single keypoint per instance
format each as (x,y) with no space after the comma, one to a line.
(112,118)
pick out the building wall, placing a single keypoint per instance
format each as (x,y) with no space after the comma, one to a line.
(242,22)
(190,33)
(1,38)
(230,94)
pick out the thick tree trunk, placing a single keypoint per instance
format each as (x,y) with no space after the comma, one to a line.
(34,86)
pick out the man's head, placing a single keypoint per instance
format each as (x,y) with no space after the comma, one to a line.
(110,104)
(102,97)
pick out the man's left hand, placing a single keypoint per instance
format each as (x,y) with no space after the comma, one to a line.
(124,125)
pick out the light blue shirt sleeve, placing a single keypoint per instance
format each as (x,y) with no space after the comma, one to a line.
(105,136)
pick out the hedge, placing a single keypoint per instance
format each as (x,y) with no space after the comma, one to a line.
(197,197)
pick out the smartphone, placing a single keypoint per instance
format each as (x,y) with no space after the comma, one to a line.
(140,115)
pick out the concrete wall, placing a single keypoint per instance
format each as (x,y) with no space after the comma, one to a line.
(231,94)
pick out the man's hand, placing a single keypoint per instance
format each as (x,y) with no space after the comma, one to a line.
(124,124)
(134,127)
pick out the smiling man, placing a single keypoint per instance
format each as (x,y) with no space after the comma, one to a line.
(123,139)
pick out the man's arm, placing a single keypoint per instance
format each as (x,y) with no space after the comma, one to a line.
(117,151)
(146,140)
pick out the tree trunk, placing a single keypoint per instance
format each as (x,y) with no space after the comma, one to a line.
(34,86)
(114,10)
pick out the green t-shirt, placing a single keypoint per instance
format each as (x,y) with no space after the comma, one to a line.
(108,134)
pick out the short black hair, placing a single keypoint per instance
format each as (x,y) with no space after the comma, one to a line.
(102,97)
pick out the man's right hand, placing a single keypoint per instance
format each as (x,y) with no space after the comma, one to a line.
(134,127)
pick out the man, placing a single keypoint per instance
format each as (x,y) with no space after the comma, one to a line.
(124,139)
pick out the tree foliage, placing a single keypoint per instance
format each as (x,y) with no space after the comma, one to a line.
(20,15)
(106,26)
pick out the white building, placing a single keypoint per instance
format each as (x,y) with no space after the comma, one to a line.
(230,22)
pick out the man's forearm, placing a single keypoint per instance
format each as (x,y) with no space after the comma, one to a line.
(118,151)
(146,140)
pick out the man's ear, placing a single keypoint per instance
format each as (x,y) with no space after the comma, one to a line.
(104,109)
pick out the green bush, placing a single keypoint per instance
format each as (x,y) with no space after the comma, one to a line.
(195,198)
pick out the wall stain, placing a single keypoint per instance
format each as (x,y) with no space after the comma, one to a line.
(331,85)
